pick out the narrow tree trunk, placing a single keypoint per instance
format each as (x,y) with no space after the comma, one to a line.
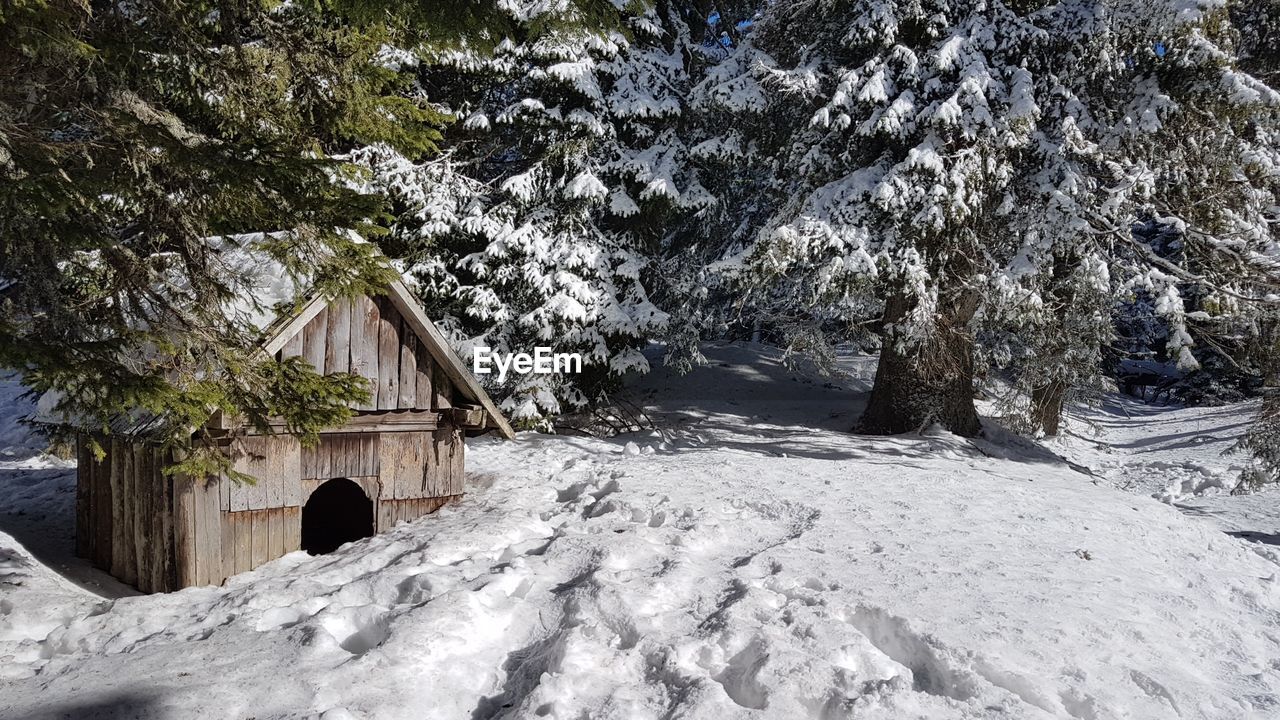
(1046,407)
(931,384)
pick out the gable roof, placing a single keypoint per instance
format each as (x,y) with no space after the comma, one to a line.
(286,327)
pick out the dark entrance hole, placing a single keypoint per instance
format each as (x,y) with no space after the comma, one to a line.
(336,513)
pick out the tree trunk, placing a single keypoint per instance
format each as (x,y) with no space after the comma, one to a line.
(1046,407)
(930,383)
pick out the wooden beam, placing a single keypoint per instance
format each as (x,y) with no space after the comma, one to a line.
(280,336)
(468,416)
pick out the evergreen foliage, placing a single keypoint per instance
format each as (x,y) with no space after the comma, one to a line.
(130,134)
(567,175)
(1034,192)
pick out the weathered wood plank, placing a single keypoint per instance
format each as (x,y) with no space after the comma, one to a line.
(261,538)
(337,342)
(408,368)
(84,503)
(291,483)
(386,515)
(128,478)
(388,355)
(275,461)
(364,331)
(402,462)
(159,580)
(229,541)
(103,511)
(209,532)
(341,455)
(292,347)
(422,373)
(457,454)
(184,530)
(439,464)
(313,337)
(244,541)
(275,533)
(292,529)
(142,515)
(441,389)
(169,565)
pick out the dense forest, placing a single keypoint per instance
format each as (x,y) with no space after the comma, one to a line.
(1026,199)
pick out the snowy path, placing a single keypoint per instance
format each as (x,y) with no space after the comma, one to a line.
(738,567)
(1180,456)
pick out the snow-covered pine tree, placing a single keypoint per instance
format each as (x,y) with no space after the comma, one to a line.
(907,124)
(965,160)
(131,134)
(565,178)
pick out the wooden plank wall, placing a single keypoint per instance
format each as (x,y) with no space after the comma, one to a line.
(223,527)
(124,506)
(367,337)
(254,537)
(391,512)
(421,464)
(343,455)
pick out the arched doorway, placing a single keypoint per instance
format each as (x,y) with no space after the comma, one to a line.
(336,513)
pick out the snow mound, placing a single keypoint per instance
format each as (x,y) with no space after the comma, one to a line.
(728,565)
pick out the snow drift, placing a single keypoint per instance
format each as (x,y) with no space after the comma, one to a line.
(740,562)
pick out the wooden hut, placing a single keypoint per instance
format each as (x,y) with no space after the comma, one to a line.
(399,457)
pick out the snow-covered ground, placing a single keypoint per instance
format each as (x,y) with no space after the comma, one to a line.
(749,559)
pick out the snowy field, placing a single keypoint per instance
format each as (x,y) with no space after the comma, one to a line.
(749,559)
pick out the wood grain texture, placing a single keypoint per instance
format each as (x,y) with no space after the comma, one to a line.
(292,529)
(184,531)
(275,533)
(364,346)
(128,569)
(313,338)
(292,347)
(208,532)
(244,541)
(84,499)
(142,514)
(422,376)
(403,463)
(388,356)
(386,515)
(230,528)
(337,343)
(261,539)
(103,512)
(408,368)
(167,524)
(276,461)
(342,455)
(441,389)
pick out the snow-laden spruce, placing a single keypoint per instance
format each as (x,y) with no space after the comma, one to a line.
(944,167)
(539,225)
